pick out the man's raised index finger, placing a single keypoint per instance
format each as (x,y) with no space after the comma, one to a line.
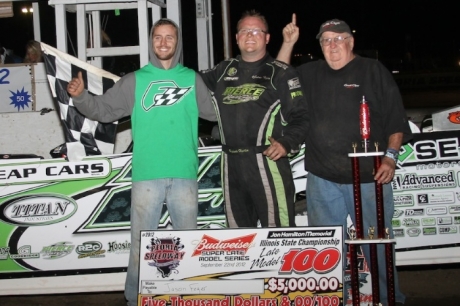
(294,18)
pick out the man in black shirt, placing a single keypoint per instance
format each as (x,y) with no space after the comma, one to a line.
(262,117)
(334,88)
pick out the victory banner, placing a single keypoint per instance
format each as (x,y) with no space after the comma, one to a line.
(242,267)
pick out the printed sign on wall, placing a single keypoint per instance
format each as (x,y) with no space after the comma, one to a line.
(16,93)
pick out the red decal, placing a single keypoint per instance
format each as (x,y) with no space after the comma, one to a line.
(454,117)
(364,120)
(303,261)
(209,243)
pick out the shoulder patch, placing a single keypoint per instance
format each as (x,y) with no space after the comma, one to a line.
(209,70)
(293,83)
(281,65)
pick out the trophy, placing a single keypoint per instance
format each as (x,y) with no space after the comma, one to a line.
(383,236)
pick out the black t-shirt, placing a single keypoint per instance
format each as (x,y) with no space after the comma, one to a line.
(333,98)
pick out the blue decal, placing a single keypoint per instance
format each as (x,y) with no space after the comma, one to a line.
(4,73)
(20,99)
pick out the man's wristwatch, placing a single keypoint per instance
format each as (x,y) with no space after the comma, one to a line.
(393,154)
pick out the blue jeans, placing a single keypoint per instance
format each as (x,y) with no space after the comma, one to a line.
(147,198)
(330,203)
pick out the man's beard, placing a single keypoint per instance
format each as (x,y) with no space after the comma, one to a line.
(164,57)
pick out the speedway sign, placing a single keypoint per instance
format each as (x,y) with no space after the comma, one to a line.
(263,266)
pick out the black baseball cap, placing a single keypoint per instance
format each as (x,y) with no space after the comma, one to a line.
(334,25)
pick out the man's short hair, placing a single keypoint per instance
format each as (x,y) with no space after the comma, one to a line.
(334,25)
(165,21)
(252,13)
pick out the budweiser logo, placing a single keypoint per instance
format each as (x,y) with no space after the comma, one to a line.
(208,243)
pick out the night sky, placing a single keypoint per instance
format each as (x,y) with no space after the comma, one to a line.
(393,29)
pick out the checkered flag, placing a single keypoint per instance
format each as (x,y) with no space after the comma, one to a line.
(84,137)
(171,96)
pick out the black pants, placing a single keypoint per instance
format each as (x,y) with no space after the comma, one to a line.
(257,189)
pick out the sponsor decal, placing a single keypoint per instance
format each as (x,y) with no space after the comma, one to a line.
(37,210)
(429,231)
(57,250)
(414,212)
(437,151)
(297,93)
(436,198)
(91,249)
(208,243)
(119,247)
(232,71)
(454,117)
(257,77)
(293,83)
(454,209)
(413,232)
(415,181)
(448,230)
(165,254)
(437,165)
(231,78)
(411,222)
(54,171)
(457,220)
(398,232)
(243,93)
(350,85)
(25,252)
(4,251)
(444,220)
(428,221)
(442,210)
(403,200)
(398,213)
(395,223)
(230,252)
(330,24)
(422,198)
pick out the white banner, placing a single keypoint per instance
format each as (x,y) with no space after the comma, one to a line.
(258,266)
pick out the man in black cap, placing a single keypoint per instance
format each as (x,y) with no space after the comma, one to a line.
(334,88)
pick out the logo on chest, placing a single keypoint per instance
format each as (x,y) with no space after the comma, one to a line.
(243,93)
(163,93)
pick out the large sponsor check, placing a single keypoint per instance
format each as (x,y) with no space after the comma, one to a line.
(241,267)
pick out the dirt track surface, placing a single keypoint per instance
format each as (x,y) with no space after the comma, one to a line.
(422,285)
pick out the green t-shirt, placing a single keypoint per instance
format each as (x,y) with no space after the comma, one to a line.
(165,124)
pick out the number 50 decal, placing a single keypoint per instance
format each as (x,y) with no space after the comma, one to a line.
(302,261)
